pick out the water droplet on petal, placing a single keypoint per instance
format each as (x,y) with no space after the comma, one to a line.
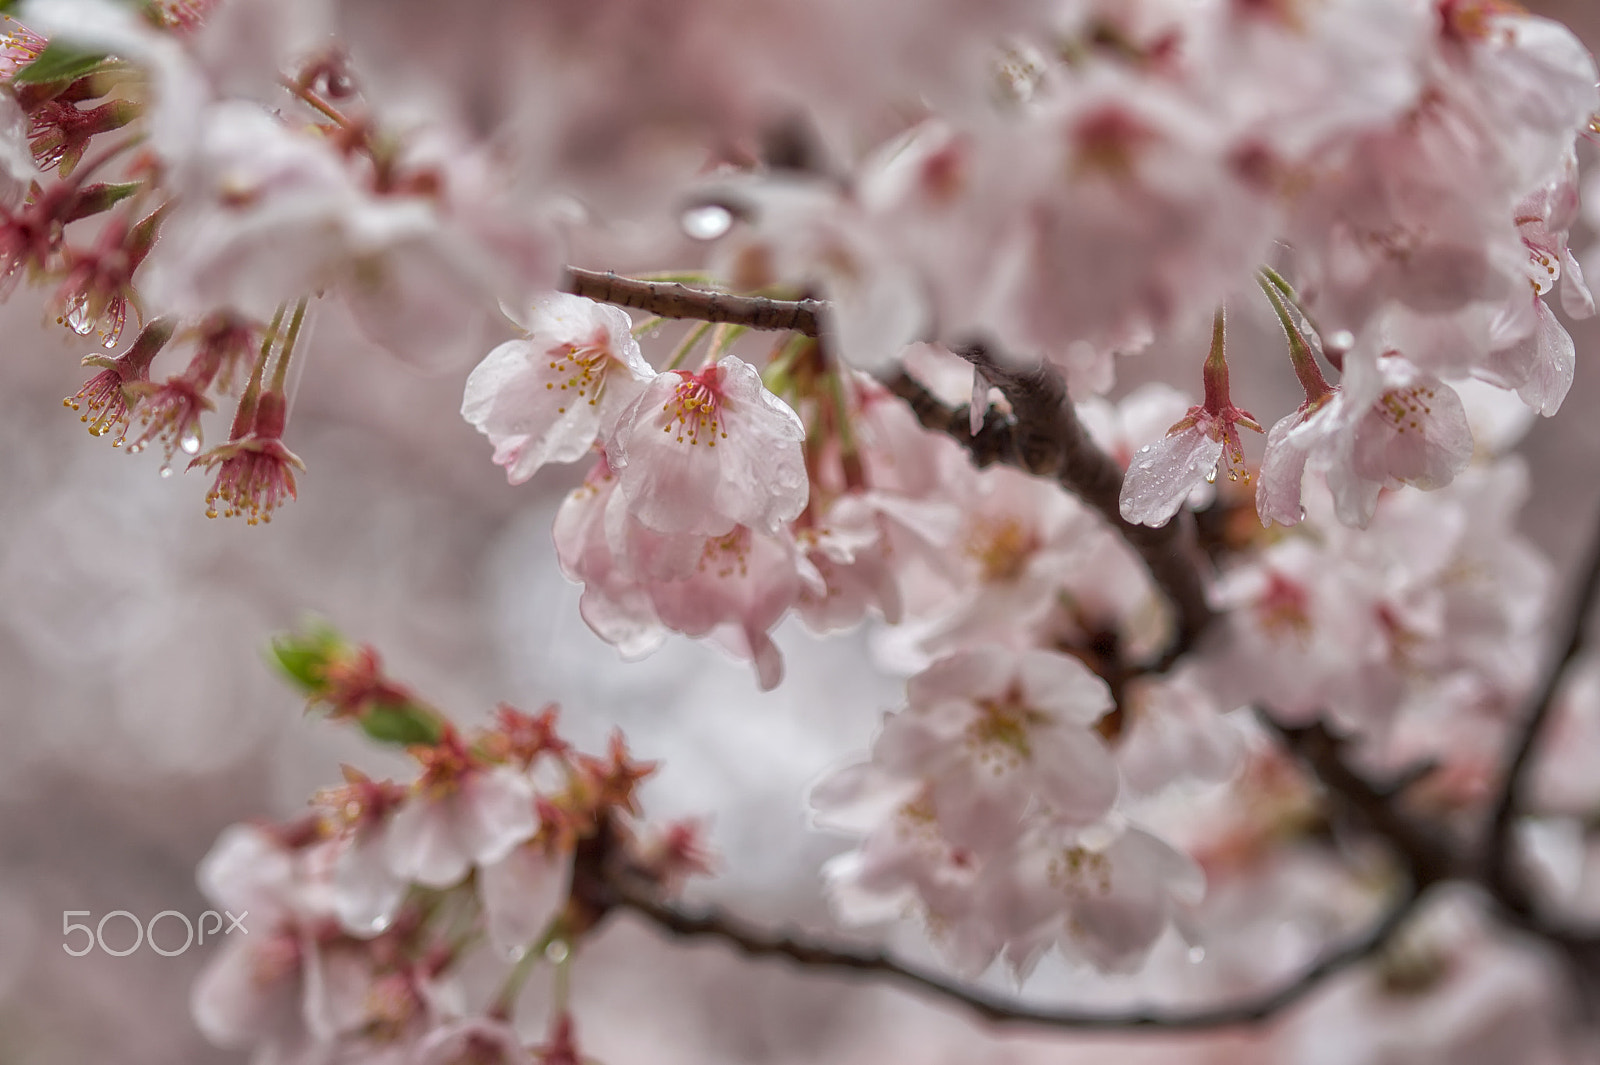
(556,952)
(1341,341)
(189,442)
(1211,478)
(1302,513)
(1197,955)
(707,222)
(379,923)
(1147,464)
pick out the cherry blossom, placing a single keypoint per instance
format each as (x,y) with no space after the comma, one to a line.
(462,815)
(707,451)
(549,396)
(1390,424)
(1162,475)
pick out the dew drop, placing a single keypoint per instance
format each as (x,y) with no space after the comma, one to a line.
(1211,478)
(1147,464)
(379,923)
(707,222)
(1341,341)
(1197,955)
(78,319)
(1302,513)
(166,471)
(189,442)
(556,952)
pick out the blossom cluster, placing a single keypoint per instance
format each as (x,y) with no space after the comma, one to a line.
(365,914)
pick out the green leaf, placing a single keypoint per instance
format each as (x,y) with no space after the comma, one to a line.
(304,656)
(402,723)
(58,62)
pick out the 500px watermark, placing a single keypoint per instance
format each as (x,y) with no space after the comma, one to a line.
(146,933)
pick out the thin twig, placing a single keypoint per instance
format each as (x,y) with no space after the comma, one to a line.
(671,299)
(1498,874)
(748,939)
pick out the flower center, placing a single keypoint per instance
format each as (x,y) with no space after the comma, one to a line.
(1404,408)
(1001,548)
(584,365)
(693,411)
(999,737)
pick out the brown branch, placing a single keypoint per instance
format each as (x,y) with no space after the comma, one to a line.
(1048,440)
(1428,855)
(748,939)
(1501,880)
(669,299)
(993,443)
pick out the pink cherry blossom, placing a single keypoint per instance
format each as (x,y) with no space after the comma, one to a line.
(1103,900)
(1391,424)
(548,396)
(704,452)
(1161,476)
(463,815)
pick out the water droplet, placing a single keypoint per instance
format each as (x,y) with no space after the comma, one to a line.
(379,923)
(707,222)
(1302,513)
(166,471)
(1197,955)
(1341,341)
(1147,464)
(78,319)
(189,442)
(556,952)
(1211,478)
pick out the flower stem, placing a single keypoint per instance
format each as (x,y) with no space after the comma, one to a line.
(688,344)
(1216,367)
(280,373)
(1300,354)
(245,416)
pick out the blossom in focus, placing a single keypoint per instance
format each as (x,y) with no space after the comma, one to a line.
(1162,475)
(704,452)
(548,396)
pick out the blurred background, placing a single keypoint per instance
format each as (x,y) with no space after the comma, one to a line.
(138,716)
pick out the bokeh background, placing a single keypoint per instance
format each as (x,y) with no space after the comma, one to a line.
(138,716)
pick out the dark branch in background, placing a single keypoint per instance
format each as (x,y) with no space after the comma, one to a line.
(812,954)
(1427,854)
(1498,875)
(1045,438)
